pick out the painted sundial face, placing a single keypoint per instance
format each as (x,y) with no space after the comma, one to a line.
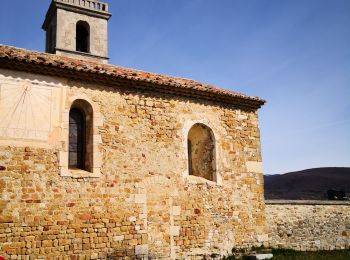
(25,111)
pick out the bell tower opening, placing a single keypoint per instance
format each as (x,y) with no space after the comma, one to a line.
(78,29)
(82,37)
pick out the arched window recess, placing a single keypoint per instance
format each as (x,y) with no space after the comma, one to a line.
(80,146)
(201,152)
(83,37)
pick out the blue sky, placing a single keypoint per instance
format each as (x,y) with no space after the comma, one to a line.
(293,53)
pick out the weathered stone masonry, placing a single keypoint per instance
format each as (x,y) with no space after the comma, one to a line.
(308,225)
(143,203)
(161,168)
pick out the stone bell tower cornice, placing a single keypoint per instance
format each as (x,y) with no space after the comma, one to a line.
(88,7)
(78,28)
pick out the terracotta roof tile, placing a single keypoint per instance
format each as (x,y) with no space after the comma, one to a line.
(21,58)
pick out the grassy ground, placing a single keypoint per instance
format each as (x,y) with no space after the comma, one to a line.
(318,255)
(283,254)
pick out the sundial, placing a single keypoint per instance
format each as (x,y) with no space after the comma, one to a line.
(25,111)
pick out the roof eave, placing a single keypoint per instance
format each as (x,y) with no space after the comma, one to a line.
(42,64)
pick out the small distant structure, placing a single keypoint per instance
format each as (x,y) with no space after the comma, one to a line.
(336,195)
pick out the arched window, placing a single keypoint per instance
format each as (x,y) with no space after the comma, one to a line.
(201,152)
(80,136)
(83,37)
(76,139)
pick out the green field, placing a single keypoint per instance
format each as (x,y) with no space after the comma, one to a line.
(323,255)
(286,254)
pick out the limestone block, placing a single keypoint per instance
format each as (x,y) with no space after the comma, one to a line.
(65,118)
(241,117)
(140,198)
(263,256)
(176,210)
(254,167)
(175,230)
(97,139)
(118,238)
(132,219)
(141,250)
(97,158)
(62,159)
(64,172)
(98,121)
(262,238)
(96,172)
(142,216)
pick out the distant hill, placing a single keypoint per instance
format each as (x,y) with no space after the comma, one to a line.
(310,184)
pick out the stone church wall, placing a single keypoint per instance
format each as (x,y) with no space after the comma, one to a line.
(141,202)
(308,225)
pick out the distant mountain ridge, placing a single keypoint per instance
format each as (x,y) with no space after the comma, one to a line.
(310,184)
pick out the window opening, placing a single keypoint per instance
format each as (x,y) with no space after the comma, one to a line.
(83,37)
(201,152)
(77,141)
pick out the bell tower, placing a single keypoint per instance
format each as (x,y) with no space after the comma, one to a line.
(78,28)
